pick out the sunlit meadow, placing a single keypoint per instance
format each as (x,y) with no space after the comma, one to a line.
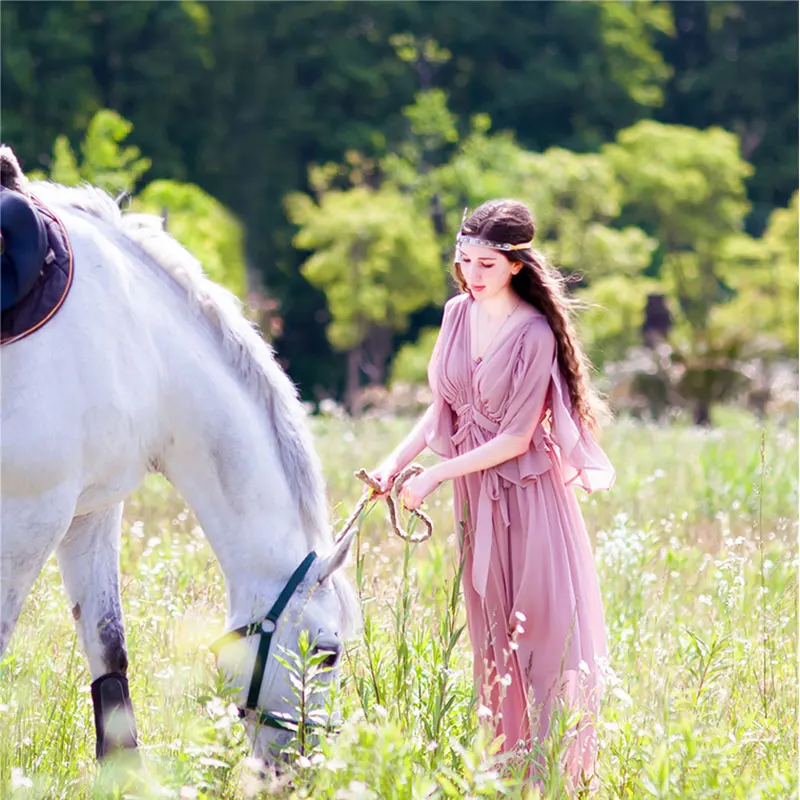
(696,549)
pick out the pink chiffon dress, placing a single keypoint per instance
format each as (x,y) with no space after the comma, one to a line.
(533,604)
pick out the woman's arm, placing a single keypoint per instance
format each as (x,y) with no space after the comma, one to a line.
(502,448)
(405,452)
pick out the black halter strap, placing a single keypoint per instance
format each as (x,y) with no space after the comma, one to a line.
(264,628)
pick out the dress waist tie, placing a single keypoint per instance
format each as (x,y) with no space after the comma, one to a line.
(491,493)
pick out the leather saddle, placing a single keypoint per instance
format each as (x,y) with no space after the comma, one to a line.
(23,242)
(36,264)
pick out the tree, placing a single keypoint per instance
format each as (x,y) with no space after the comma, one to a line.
(410,364)
(376,258)
(735,66)
(203,226)
(239,98)
(64,61)
(104,162)
(763,274)
(554,73)
(629,32)
(198,221)
(687,186)
(611,322)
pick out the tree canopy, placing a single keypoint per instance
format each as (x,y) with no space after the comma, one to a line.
(198,221)
(448,102)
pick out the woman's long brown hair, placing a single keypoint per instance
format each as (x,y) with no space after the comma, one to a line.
(544,287)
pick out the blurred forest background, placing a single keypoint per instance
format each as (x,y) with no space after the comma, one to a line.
(317,156)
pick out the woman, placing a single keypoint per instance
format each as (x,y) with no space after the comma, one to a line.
(512,418)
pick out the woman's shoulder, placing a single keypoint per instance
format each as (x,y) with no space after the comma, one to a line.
(454,305)
(534,323)
(458,300)
(536,332)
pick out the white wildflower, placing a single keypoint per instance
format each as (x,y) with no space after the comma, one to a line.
(18,779)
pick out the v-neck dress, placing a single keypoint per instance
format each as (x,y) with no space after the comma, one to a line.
(534,610)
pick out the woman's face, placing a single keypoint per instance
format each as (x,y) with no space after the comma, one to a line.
(487,272)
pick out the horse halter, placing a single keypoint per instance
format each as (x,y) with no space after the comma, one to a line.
(264,628)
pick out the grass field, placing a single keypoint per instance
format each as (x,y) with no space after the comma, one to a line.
(696,548)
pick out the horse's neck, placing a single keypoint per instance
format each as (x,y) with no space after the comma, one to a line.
(221,453)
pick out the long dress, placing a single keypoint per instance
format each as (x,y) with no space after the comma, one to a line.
(534,610)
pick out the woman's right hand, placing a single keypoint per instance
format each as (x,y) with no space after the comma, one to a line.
(385,474)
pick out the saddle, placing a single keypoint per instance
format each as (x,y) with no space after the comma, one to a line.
(36,263)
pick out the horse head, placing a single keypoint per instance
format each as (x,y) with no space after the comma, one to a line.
(283,682)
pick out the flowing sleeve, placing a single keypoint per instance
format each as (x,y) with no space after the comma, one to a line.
(530,380)
(530,384)
(568,444)
(584,462)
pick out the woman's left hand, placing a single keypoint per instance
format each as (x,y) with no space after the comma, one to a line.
(418,488)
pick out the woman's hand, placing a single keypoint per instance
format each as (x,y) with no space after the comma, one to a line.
(385,474)
(419,487)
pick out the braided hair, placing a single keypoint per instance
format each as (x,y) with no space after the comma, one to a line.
(543,287)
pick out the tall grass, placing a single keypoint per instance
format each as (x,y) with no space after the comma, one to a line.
(697,557)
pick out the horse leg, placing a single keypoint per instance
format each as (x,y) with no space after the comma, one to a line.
(16,581)
(88,557)
(29,532)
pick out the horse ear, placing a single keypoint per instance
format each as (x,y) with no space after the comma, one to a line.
(11,174)
(337,556)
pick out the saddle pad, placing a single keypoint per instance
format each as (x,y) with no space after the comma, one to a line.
(51,288)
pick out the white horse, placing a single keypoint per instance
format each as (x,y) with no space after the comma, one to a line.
(149,366)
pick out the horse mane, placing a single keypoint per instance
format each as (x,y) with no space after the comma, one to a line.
(248,354)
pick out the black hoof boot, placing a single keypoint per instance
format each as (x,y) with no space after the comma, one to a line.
(113,715)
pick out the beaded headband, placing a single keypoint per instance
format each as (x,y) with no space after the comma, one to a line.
(494,245)
(504,246)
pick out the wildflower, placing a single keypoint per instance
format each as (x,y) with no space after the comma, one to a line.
(18,779)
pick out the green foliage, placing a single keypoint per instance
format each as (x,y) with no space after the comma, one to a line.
(731,70)
(429,140)
(763,274)
(104,162)
(203,226)
(610,324)
(685,183)
(198,221)
(375,258)
(410,365)
(628,30)
(396,82)
(687,186)
(64,167)
(415,51)
(63,62)
(484,166)
(432,124)
(578,199)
